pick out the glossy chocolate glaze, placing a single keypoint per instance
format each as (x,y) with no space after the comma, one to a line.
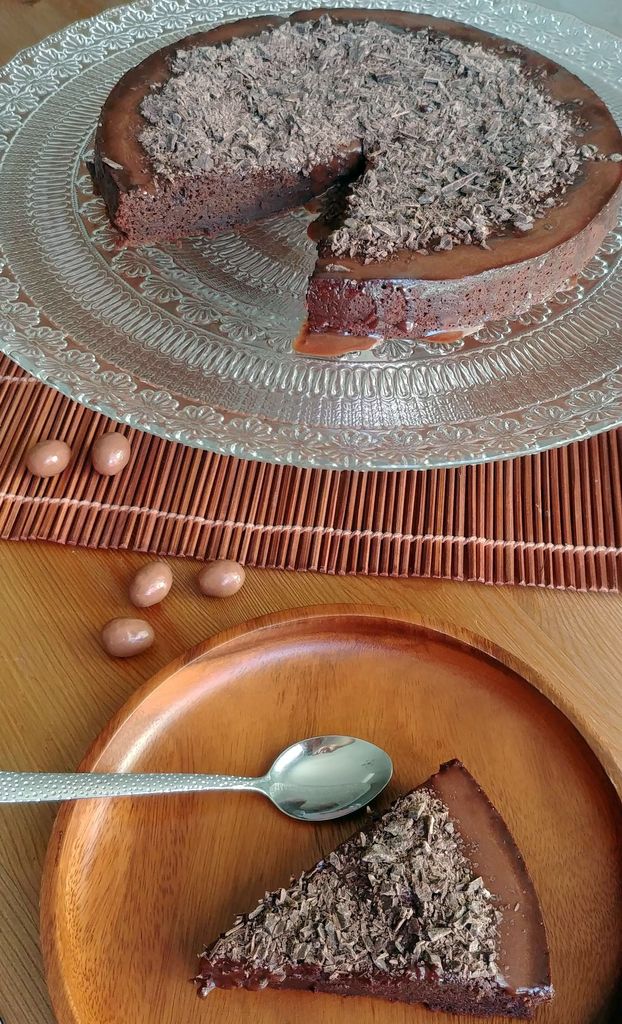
(523,954)
(523,958)
(409,295)
(327,344)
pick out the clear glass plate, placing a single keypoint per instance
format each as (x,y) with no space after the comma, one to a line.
(193,342)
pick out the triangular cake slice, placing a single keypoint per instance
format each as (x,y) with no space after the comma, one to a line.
(430,903)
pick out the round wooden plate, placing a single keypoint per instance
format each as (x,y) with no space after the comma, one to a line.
(133,887)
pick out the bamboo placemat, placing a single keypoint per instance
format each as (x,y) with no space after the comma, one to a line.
(551,520)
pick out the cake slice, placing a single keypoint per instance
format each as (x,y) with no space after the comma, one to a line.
(429,903)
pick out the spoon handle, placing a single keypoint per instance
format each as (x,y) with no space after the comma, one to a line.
(38,787)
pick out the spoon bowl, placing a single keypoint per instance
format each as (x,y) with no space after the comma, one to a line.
(327,777)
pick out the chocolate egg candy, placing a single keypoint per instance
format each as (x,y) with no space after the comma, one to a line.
(48,458)
(221,578)
(123,638)
(151,584)
(110,453)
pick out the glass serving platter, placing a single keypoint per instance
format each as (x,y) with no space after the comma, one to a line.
(193,342)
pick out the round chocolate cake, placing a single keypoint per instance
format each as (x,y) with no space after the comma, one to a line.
(466,176)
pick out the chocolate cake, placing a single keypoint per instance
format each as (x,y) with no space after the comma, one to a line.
(473,175)
(429,903)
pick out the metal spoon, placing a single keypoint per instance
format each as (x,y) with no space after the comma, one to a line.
(313,780)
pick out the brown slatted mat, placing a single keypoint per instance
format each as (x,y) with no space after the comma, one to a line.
(552,520)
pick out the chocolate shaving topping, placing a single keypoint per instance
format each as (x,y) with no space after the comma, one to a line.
(459,141)
(398,897)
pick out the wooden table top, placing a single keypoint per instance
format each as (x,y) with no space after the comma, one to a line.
(58,689)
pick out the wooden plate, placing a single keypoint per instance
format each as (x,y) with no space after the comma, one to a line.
(132,888)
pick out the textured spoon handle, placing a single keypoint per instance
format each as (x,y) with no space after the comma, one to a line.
(38,787)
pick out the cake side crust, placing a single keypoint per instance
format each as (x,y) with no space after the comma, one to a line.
(444,996)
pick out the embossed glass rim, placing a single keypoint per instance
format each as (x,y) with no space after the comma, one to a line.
(73,370)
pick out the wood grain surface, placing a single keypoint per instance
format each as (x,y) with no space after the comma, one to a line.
(172,872)
(58,689)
